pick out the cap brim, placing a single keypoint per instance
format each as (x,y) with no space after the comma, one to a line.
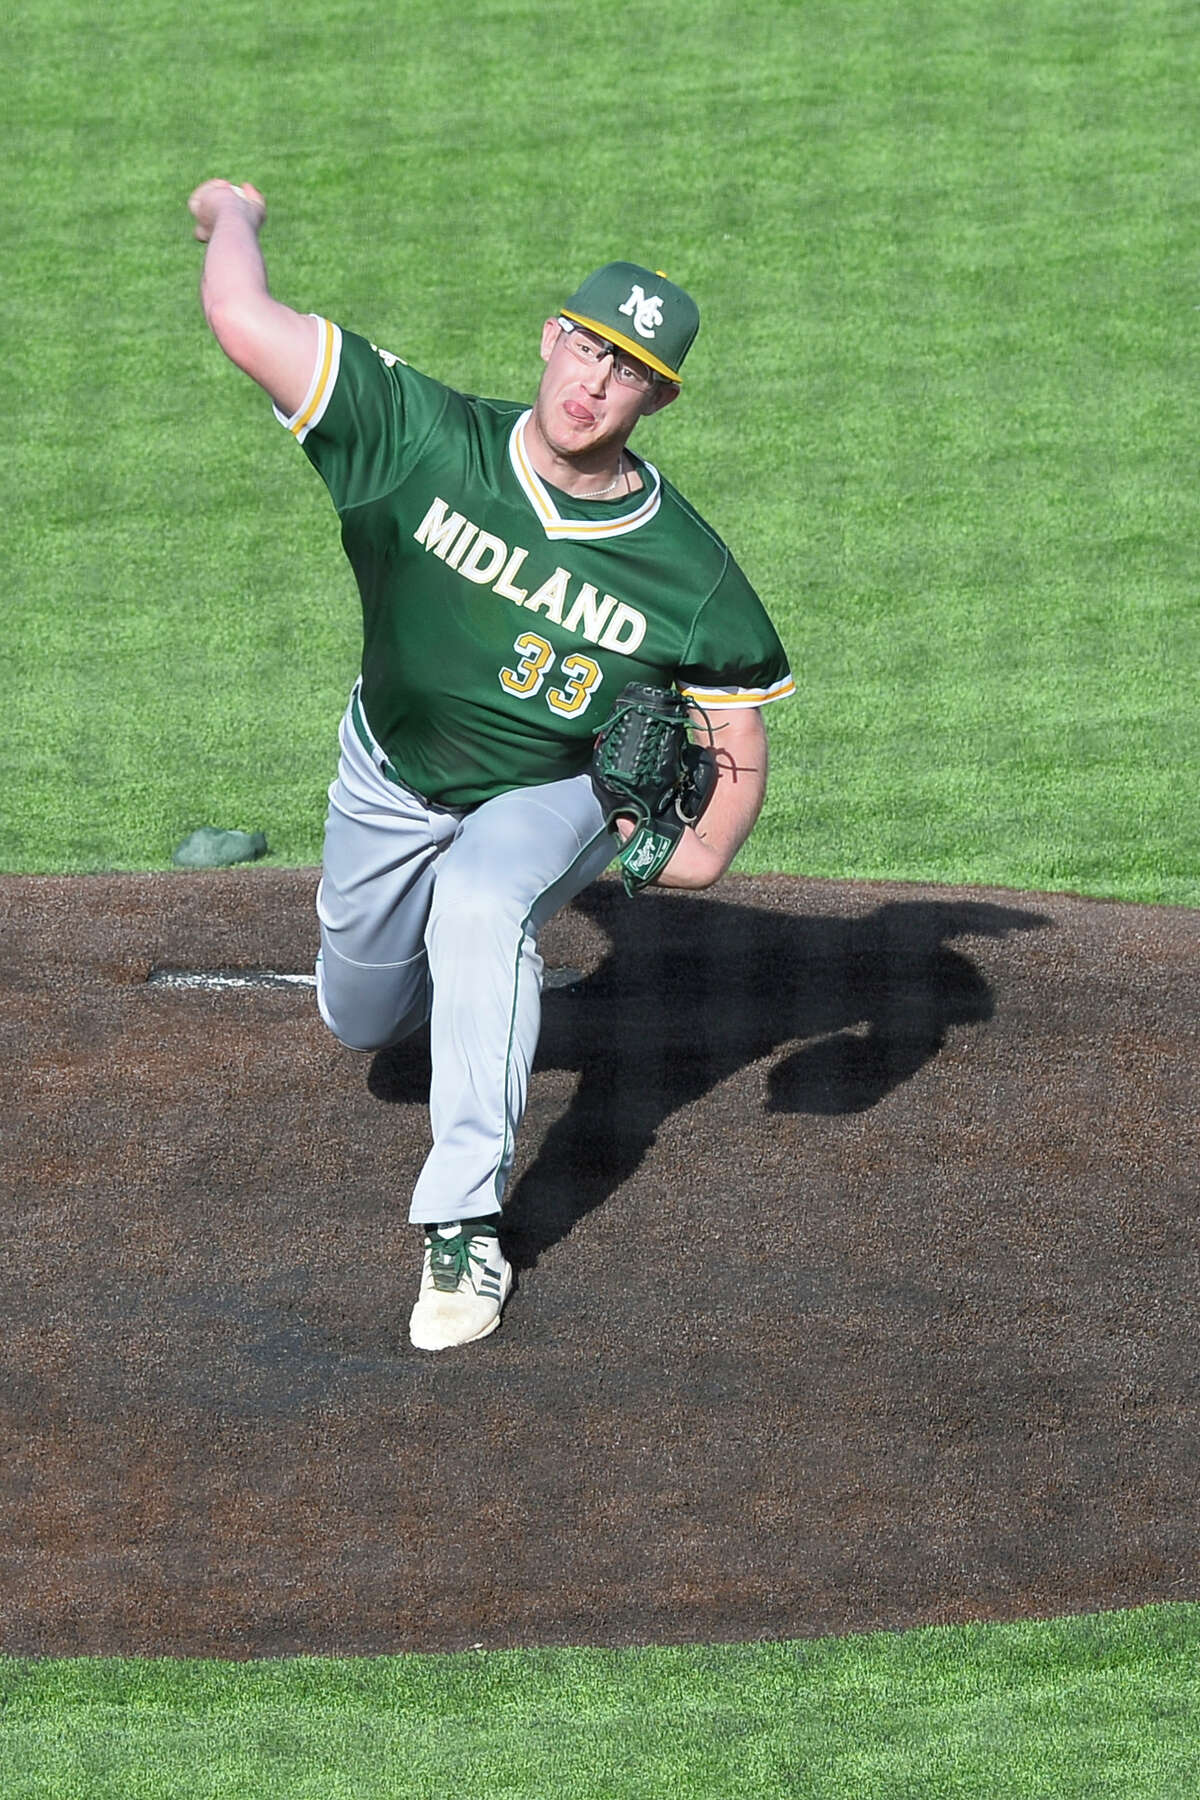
(627,343)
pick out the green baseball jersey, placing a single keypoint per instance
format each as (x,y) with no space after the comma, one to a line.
(501,617)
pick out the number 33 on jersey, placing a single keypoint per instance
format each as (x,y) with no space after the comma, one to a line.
(583,676)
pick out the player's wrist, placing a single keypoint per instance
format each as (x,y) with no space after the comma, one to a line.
(692,864)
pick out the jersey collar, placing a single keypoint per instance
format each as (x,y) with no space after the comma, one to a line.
(579,530)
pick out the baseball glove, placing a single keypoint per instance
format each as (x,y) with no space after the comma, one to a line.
(645,767)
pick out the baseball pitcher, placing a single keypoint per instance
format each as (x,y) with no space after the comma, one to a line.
(562,665)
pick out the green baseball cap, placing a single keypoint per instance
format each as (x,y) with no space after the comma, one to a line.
(640,310)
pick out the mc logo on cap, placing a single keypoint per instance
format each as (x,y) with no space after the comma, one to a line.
(640,310)
(645,313)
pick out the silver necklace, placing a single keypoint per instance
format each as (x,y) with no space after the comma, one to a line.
(599,493)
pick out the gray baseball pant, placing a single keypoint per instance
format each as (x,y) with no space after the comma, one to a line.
(433,913)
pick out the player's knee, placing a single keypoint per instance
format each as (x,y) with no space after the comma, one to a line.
(362,1009)
(345,1021)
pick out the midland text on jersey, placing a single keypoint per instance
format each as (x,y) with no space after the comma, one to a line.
(488,561)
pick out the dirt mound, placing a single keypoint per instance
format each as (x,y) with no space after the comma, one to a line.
(858,1287)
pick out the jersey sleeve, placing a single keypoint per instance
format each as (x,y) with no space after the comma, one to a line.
(734,657)
(365,416)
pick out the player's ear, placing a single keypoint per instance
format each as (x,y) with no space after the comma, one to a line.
(551,332)
(660,395)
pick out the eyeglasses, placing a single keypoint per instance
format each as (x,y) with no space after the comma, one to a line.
(591,349)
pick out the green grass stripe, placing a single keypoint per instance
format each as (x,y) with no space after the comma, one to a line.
(1103,1705)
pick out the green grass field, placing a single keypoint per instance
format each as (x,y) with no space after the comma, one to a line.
(942,403)
(943,408)
(1099,1706)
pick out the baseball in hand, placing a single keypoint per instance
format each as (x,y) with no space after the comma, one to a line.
(207,200)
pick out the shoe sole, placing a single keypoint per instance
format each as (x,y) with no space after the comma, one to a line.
(459,1343)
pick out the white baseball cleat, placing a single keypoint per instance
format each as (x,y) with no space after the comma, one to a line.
(465,1280)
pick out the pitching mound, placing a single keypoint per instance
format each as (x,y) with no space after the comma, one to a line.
(857,1279)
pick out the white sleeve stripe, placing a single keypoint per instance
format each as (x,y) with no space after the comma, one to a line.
(734,697)
(324,380)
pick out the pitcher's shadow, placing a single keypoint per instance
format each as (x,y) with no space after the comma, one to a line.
(692,990)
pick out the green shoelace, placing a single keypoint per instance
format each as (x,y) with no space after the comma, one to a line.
(451,1258)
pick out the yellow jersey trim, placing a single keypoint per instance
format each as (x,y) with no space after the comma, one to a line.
(324,380)
(577,530)
(726,699)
